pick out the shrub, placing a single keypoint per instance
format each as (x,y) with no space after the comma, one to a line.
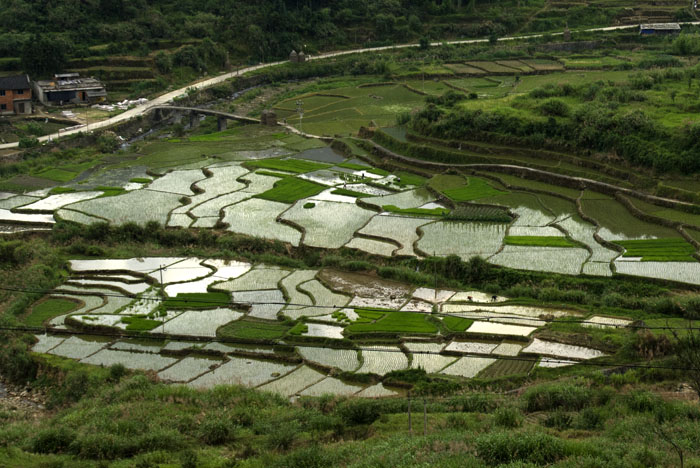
(505,447)
(310,457)
(28,142)
(283,435)
(188,459)
(554,107)
(215,432)
(557,396)
(559,420)
(589,419)
(508,416)
(358,411)
(642,401)
(475,403)
(54,440)
(116,372)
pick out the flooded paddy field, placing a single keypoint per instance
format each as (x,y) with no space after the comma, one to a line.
(212,322)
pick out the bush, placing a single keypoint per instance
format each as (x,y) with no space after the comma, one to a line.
(282,436)
(28,142)
(590,419)
(557,396)
(559,420)
(642,401)
(55,440)
(508,416)
(555,108)
(506,447)
(310,457)
(359,411)
(215,432)
(116,372)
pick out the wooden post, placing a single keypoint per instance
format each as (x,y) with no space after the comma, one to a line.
(425,417)
(410,427)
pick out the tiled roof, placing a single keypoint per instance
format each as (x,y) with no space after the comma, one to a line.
(14,82)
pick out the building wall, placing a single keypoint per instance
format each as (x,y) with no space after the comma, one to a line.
(8,100)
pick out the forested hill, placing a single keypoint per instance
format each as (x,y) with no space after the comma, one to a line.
(260,29)
(251,31)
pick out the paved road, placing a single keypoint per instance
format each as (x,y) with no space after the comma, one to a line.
(168,97)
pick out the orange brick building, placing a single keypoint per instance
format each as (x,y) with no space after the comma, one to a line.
(15,95)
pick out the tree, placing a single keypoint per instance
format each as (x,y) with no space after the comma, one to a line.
(43,55)
(687,347)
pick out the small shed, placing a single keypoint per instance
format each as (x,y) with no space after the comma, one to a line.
(268,117)
(659,28)
(293,57)
(301,57)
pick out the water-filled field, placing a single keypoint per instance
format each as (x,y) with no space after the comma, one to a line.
(225,319)
(267,188)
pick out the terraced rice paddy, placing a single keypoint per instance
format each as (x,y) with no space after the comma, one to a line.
(382,359)
(425,356)
(468,366)
(488,328)
(557,260)
(199,322)
(264,304)
(142,361)
(242,371)
(343,359)
(685,272)
(560,350)
(461,238)
(328,224)
(401,230)
(260,277)
(257,218)
(372,246)
(294,382)
(330,386)
(139,206)
(324,331)
(188,369)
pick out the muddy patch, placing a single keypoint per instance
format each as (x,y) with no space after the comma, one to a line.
(363,285)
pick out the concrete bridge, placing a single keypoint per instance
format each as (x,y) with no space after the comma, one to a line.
(162,112)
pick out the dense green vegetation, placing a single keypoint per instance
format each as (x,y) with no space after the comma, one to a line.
(539,241)
(416,211)
(250,329)
(663,250)
(291,189)
(638,118)
(49,309)
(206,300)
(375,320)
(460,190)
(296,166)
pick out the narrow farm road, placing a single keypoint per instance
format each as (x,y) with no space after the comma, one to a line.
(166,98)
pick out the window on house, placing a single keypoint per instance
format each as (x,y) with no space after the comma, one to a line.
(3,106)
(20,91)
(2,92)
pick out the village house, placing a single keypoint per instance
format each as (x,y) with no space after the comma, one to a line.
(15,95)
(69,88)
(659,28)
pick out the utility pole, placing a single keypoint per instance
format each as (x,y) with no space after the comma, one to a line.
(300,110)
(162,293)
(435,278)
(410,427)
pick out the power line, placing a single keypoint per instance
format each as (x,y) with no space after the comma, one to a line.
(503,318)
